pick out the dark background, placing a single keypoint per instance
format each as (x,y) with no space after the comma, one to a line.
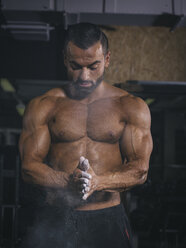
(31,39)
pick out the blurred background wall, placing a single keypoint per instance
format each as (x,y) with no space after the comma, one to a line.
(148,46)
(147,53)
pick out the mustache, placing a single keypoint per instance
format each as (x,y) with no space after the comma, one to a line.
(80,81)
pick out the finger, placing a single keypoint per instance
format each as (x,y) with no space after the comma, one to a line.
(81,159)
(84,165)
(83,186)
(87,189)
(85,181)
(85,196)
(83,191)
(86,175)
(81,181)
(82,174)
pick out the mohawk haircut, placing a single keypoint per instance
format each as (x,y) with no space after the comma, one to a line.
(85,35)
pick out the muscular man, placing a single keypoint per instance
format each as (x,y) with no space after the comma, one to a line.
(85,143)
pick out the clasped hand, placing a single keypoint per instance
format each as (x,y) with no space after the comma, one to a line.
(85,178)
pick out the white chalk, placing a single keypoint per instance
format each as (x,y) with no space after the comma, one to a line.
(86,175)
(87,189)
(84,165)
(85,162)
(81,159)
(85,196)
(84,181)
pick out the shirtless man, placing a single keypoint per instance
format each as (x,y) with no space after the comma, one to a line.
(85,143)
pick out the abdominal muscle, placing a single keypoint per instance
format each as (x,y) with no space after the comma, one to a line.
(103,158)
(98,200)
(106,200)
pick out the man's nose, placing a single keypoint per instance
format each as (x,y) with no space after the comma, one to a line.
(84,74)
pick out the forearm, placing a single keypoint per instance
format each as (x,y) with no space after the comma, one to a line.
(40,174)
(130,175)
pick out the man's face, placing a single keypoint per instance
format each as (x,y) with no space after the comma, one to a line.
(85,68)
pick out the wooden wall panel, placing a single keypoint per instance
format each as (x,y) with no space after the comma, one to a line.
(146,53)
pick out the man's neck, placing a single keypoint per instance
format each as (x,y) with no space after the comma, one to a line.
(97,93)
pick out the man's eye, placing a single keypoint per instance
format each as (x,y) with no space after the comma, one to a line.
(75,68)
(92,68)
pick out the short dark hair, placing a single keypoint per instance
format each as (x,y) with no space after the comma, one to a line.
(85,35)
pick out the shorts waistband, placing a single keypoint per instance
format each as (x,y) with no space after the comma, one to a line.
(105,211)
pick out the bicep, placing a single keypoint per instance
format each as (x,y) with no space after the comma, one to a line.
(34,144)
(35,137)
(136,143)
(136,140)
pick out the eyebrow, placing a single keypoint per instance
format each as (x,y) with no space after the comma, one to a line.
(76,64)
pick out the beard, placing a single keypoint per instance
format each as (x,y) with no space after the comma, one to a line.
(93,85)
(78,89)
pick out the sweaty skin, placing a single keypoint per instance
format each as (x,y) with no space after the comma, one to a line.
(83,145)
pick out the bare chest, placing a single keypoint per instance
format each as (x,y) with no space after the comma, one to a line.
(100,121)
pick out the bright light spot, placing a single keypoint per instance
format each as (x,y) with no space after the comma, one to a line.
(149,101)
(20,108)
(6,85)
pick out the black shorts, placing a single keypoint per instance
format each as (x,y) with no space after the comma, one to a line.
(105,228)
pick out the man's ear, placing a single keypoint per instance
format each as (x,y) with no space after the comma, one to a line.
(107,59)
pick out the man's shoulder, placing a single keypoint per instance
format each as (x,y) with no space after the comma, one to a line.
(125,97)
(55,92)
(48,99)
(127,100)
(42,107)
(133,101)
(113,91)
(135,108)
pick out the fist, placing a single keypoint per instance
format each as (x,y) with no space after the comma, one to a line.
(81,178)
(86,177)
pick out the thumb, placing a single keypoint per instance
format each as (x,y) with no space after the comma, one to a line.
(85,196)
(83,164)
